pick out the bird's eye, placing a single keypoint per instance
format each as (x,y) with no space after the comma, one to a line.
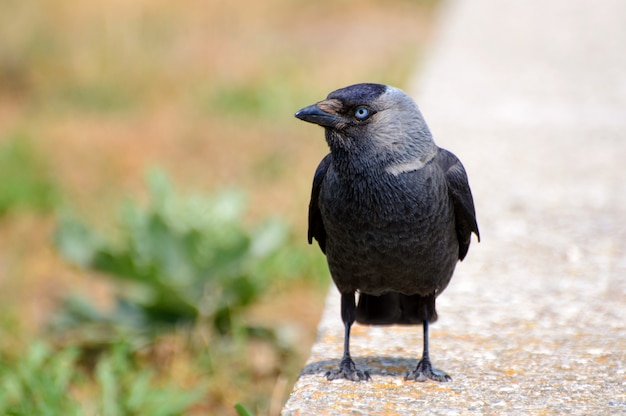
(361,113)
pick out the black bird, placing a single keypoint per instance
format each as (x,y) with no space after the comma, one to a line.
(392,212)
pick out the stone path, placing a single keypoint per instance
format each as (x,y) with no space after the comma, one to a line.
(531,95)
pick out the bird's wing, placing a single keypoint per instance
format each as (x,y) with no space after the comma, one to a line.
(459,191)
(316,225)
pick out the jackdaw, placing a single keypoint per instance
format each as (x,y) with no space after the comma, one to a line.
(391,211)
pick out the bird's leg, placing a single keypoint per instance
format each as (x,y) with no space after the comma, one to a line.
(425,369)
(347,368)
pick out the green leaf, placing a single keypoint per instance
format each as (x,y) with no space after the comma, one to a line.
(242,410)
(75,241)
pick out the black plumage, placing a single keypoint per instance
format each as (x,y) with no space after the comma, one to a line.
(392,212)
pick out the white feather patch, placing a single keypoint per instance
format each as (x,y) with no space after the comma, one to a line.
(410,166)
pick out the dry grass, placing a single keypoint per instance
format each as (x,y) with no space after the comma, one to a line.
(205,89)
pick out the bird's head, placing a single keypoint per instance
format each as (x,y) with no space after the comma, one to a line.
(373,121)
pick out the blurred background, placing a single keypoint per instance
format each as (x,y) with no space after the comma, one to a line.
(154,187)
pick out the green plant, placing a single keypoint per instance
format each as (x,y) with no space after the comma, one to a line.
(26,182)
(127,389)
(44,381)
(182,259)
(38,382)
(261,98)
(242,410)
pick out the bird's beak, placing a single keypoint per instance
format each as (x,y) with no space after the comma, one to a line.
(322,113)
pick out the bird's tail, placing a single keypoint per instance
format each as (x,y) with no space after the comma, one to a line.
(395,308)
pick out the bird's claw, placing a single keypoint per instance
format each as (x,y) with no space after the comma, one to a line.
(425,371)
(348,370)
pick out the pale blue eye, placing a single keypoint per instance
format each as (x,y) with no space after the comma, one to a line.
(361,113)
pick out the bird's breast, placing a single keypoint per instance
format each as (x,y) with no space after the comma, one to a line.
(389,233)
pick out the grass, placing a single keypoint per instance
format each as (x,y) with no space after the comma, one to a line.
(92,95)
(26,182)
(44,381)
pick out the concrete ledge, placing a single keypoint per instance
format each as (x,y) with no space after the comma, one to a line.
(521,367)
(531,96)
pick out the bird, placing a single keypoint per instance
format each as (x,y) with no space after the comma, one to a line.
(392,212)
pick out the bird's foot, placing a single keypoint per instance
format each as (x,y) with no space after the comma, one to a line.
(425,371)
(348,370)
